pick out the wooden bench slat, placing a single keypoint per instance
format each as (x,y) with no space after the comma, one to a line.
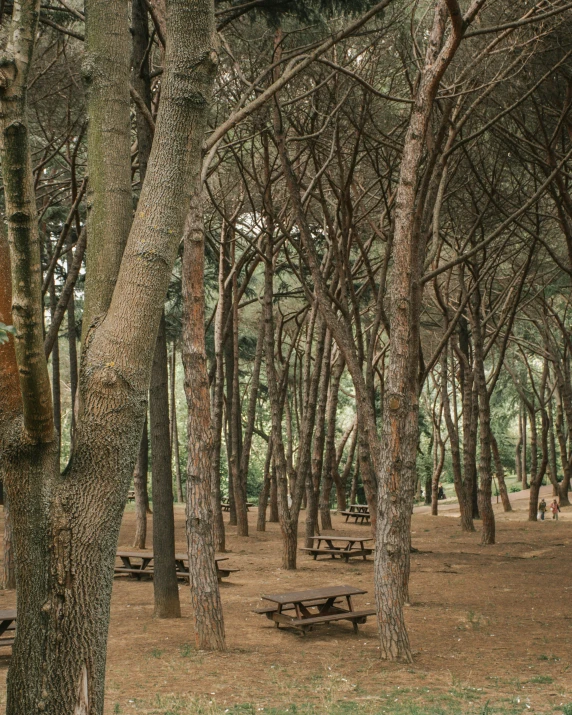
(346,615)
(291,606)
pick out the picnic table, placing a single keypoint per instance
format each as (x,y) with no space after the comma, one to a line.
(7,623)
(358,512)
(142,565)
(131,495)
(225,505)
(343,546)
(303,610)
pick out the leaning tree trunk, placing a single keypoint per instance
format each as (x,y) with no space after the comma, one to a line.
(68,526)
(165,586)
(205,595)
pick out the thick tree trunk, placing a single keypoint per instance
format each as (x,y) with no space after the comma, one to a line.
(205,596)
(140,488)
(165,584)
(68,527)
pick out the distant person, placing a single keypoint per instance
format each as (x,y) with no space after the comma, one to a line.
(555,508)
(441,493)
(542,509)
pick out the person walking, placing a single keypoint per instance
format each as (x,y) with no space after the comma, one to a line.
(555,508)
(542,509)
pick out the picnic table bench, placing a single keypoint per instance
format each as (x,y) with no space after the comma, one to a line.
(143,566)
(303,610)
(343,546)
(131,495)
(7,625)
(225,505)
(358,512)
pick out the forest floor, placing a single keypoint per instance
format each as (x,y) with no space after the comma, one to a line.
(490,629)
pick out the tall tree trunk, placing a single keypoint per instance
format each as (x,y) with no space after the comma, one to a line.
(205,595)
(330,462)
(56,383)
(68,527)
(238,477)
(316,464)
(218,397)
(140,489)
(485,467)
(273,514)
(461,486)
(165,584)
(506,505)
(265,491)
(524,462)
(175,455)
(436,477)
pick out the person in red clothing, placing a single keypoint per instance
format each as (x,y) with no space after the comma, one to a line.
(555,508)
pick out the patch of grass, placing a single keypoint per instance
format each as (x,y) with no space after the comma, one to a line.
(156,653)
(542,679)
(186,650)
(566,709)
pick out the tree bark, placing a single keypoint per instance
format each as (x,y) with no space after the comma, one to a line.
(330,462)
(175,455)
(9,580)
(68,527)
(205,595)
(506,505)
(165,586)
(106,71)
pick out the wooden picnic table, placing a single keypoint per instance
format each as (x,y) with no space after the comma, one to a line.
(143,565)
(7,623)
(225,505)
(362,516)
(305,609)
(131,495)
(364,508)
(343,546)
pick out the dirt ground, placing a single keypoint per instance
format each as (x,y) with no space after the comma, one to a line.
(490,628)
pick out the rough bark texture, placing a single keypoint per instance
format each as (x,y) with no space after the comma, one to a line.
(205,596)
(397,474)
(165,585)
(106,70)
(9,579)
(68,526)
(485,467)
